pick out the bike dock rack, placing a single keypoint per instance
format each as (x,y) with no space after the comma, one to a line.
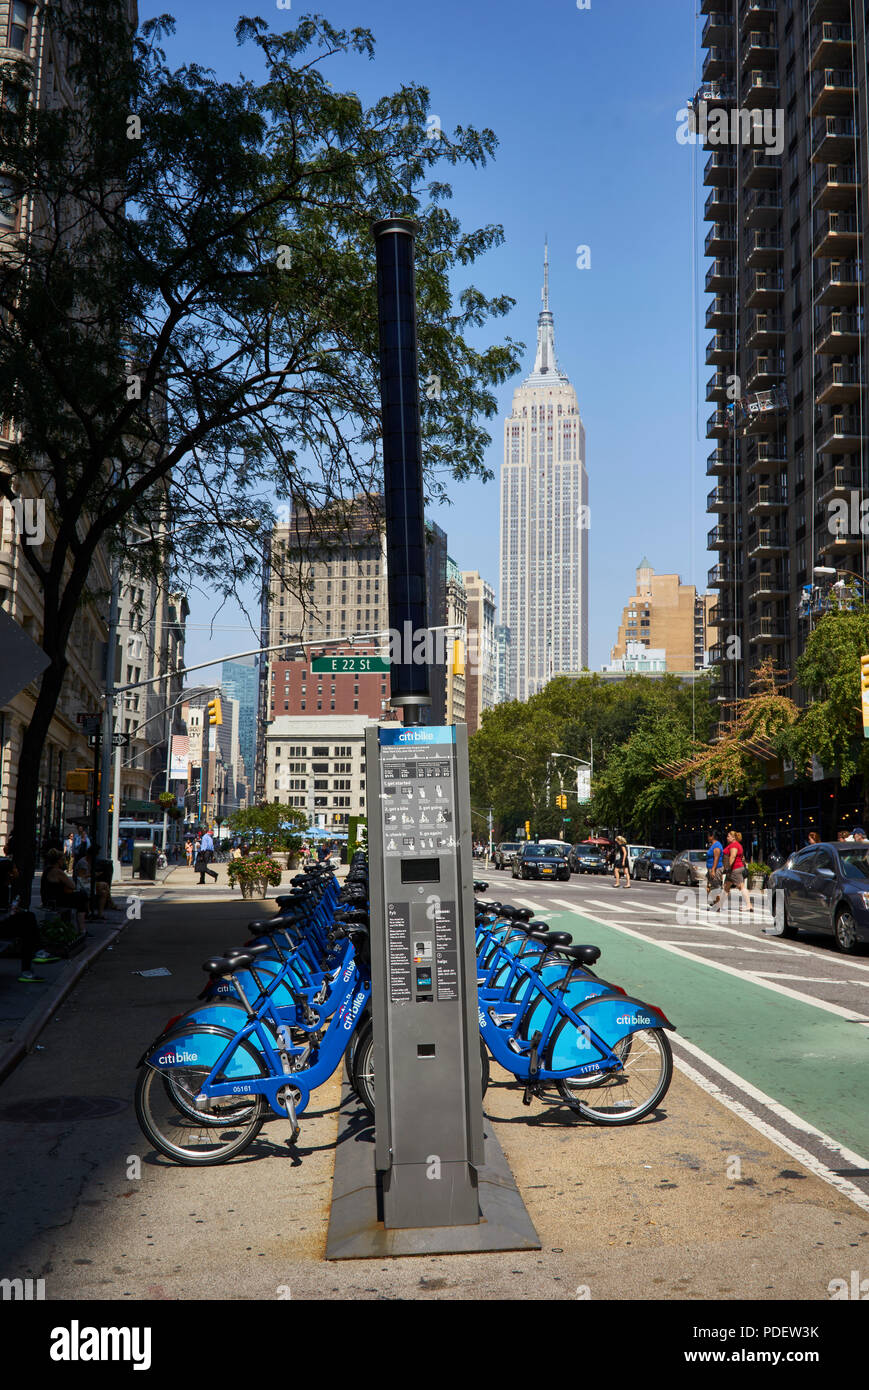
(356,1229)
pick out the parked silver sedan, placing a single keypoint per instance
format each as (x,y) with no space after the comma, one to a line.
(689,867)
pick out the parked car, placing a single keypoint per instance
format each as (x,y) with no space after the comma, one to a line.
(824,888)
(689,866)
(503,853)
(587,859)
(656,865)
(634,852)
(541,861)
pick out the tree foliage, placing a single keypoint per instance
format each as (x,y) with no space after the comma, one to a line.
(830,727)
(514,772)
(757,734)
(188,322)
(272,823)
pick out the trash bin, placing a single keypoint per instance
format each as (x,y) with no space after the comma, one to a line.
(139,847)
(148,864)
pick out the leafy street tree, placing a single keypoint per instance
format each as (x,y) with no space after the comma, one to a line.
(758,733)
(632,793)
(188,324)
(267,824)
(635,726)
(830,727)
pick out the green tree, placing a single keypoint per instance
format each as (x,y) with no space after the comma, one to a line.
(513,771)
(188,327)
(758,732)
(632,792)
(268,824)
(831,726)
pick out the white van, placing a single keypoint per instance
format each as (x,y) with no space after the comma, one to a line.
(634,852)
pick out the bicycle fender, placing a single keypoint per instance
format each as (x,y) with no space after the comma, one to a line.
(197,1045)
(613,1016)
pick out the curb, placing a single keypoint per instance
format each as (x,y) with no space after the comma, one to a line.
(25,1035)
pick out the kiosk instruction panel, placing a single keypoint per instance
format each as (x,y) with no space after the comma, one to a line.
(424,974)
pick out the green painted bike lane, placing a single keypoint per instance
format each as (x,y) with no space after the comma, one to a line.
(814,1062)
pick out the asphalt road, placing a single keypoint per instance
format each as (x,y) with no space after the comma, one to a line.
(780,1028)
(698,1202)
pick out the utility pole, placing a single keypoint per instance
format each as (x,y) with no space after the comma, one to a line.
(489,818)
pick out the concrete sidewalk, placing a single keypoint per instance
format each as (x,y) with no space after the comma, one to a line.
(25,1009)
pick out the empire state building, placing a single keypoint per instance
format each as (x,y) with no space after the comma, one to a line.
(544,523)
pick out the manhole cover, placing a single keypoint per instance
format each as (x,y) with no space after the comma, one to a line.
(58,1109)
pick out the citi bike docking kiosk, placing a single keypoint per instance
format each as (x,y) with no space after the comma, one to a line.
(429,1134)
(435,1180)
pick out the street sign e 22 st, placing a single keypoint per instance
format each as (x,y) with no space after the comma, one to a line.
(339,664)
(118,740)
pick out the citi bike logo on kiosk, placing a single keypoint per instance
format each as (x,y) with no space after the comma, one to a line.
(433,734)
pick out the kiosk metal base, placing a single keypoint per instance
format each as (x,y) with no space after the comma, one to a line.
(357,1233)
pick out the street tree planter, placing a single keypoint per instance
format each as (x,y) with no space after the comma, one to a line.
(254,875)
(757,875)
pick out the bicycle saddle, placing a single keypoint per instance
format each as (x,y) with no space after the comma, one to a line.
(583,955)
(234,952)
(479,886)
(552,938)
(219,965)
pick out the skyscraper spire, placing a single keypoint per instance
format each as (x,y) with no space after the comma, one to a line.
(546,367)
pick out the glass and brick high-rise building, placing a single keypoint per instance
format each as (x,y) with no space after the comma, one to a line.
(785,82)
(544,523)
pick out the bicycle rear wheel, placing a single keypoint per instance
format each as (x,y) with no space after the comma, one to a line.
(622,1097)
(180,1131)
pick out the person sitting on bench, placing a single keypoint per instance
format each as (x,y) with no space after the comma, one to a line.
(58,891)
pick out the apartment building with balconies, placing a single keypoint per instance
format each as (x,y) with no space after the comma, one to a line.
(787,350)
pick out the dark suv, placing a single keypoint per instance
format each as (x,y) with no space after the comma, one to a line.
(587,859)
(540,861)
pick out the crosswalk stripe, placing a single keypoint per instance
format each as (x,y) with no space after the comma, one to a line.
(822,1004)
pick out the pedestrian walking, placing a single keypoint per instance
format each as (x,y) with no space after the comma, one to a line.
(714,870)
(735,873)
(188,846)
(204,856)
(620,861)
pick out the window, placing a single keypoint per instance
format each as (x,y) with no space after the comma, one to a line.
(320,752)
(20,15)
(8,206)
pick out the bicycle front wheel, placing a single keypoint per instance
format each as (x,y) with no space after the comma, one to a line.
(185,1135)
(622,1097)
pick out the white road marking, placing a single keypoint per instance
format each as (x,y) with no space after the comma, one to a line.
(803,950)
(811,979)
(822,1004)
(808,1160)
(722,945)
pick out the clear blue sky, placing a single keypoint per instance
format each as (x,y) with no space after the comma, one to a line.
(584,105)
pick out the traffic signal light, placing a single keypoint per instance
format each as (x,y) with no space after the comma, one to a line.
(215,713)
(561,802)
(527,830)
(458,657)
